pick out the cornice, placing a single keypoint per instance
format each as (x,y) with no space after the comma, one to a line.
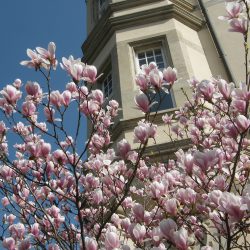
(108,24)
(167,149)
(129,124)
(126,4)
(184,4)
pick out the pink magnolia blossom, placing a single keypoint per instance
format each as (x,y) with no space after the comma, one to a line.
(33,89)
(35,230)
(123,148)
(138,211)
(146,69)
(97,96)
(49,55)
(167,119)
(9,243)
(232,205)
(168,228)
(49,113)
(111,241)
(90,107)
(225,88)
(206,88)
(138,232)
(10,218)
(144,131)
(24,244)
(89,74)
(36,60)
(181,239)
(17,83)
(17,230)
(5,201)
(28,108)
(3,128)
(233,9)
(53,247)
(242,123)
(142,82)
(238,25)
(171,206)
(66,97)
(156,78)
(207,159)
(170,75)
(56,98)
(142,102)
(239,105)
(11,94)
(71,86)
(90,244)
(157,189)
(74,67)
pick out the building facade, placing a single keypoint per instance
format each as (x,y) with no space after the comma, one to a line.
(185,34)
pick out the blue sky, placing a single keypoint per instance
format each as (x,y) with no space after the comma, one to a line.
(30,23)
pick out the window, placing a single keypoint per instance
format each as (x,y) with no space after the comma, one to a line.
(151,55)
(102,5)
(155,54)
(108,86)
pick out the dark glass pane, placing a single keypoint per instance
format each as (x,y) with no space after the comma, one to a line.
(159,58)
(101,2)
(150,59)
(143,61)
(141,55)
(149,53)
(157,52)
(105,83)
(160,65)
(165,103)
(109,77)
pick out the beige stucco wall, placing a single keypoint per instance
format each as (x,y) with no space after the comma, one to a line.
(231,43)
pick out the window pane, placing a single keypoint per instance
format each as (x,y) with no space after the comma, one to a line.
(151,59)
(141,55)
(159,58)
(153,55)
(143,61)
(157,51)
(107,85)
(101,3)
(109,77)
(163,99)
(149,53)
(160,65)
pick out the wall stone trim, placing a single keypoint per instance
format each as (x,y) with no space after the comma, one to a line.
(128,125)
(109,24)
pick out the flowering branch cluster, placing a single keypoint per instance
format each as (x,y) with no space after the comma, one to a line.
(54,198)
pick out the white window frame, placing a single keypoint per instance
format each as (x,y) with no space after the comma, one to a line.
(144,50)
(112,86)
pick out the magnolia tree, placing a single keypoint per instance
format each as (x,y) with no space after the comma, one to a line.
(54,198)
